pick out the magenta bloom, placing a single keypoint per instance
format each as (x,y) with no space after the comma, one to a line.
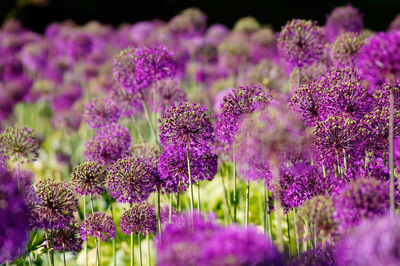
(374,242)
(67,239)
(139,219)
(343,19)
(124,69)
(132,179)
(80,45)
(98,225)
(301,42)
(101,111)
(379,59)
(152,64)
(109,144)
(89,178)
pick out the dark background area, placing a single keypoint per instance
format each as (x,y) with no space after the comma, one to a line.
(377,13)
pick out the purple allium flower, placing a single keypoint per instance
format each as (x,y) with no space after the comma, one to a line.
(236,104)
(169,92)
(308,73)
(66,98)
(189,23)
(101,111)
(235,245)
(183,240)
(173,167)
(216,33)
(96,225)
(247,25)
(67,120)
(343,19)
(89,178)
(139,219)
(19,143)
(374,242)
(52,205)
(345,50)
(395,24)
(132,179)
(14,224)
(318,212)
(80,45)
(140,32)
(363,198)
(316,257)
(109,144)
(302,181)
(379,59)
(234,52)
(124,70)
(301,42)
(128,103)
(337,137)
(67,239)
(185,124)
(34,56)
(153,64)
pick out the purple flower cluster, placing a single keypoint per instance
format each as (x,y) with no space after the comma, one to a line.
(98,225)
(139,219)
(345,49)
(101,111)
(191,240)
(343,19)
(132,179)
(89,178)
(67,239)
(301,42)
(109,144)
(52,205)
(14,213)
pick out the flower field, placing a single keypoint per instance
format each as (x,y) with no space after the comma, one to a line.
(180,143)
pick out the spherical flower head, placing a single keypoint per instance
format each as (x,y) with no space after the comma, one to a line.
(247,25)
(98,225)
(185,124)
(109,144)
(80,45)
(236,104)
(173,167)
(67,239)
(89,178)
(34,56)
(395,24)
(345,50)
(316,257)
(14,226)
(301,181)
(216,33)
(343,19)
(317,211)
(379,59)
(169,92)
(19,144)
(153,64)
(373,242)
(52,205)
(337,137)
(132,179)
(363,198)
(183,240)
(101,111)
(124,69)
(139,219)
(236,245)
(301,42)
(189,23)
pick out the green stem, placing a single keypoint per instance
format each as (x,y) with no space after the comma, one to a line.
(49,248)
(178,197)
(132,251)
(65,264)
(269,219)
(91,203)
(247,202)
(297,233)
(265,210)
(278,207)
(148,248)
(190,180)
(85,246)
(234,186)
(198,199)
(146,111)
(391,161)
(113,240)
(170,209)
(288,228)
(226,199)
(140,250)
(159,211)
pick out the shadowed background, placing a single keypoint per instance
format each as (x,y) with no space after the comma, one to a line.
(36,14)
